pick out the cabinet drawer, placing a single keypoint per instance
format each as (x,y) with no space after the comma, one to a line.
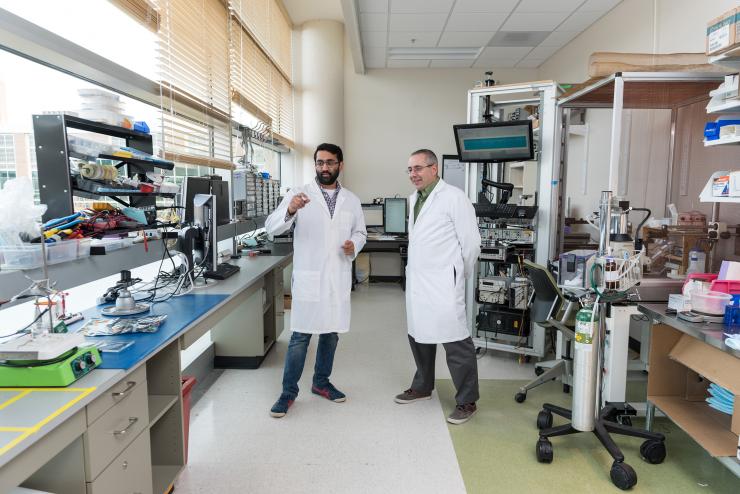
(115,430)
(130,472)
(117,394)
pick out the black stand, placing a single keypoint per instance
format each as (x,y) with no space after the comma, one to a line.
(622,475)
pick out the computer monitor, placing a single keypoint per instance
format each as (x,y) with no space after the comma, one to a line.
(494,142)
(373,214)
(394,215)
(207,185)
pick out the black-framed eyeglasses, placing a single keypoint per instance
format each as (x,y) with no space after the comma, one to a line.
(416,169)
(329,163)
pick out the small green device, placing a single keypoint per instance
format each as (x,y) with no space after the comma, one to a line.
(58,372)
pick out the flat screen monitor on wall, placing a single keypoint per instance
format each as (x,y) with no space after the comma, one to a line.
(373,215)
(394,215)
(494,142)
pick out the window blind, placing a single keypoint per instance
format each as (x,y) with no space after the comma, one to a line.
(268,23)
(193,57)
(141,10)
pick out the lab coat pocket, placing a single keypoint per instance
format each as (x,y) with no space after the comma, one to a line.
(306,286)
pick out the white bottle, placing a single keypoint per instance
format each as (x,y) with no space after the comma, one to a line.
(697,261)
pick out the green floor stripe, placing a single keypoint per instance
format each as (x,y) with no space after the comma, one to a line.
(496,450)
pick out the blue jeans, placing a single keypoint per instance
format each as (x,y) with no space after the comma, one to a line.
(296,358)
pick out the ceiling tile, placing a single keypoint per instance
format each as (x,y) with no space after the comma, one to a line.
(543,52)
(373,22)
(500,6)
(403,64)
(499,63)
(451,64)
(421,39)
(373,57)
(530,63)
(421,6)
(475,22)
(464,39)
(374,6)
(518,38)
(374,38)
(559,38)
(539,6)
(418,22)
(580,21)
(534,22)
(506,53)
(599,5)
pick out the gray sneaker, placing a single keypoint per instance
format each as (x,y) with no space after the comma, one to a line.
(410,396)
(462,413)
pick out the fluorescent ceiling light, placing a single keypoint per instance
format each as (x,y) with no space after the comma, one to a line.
(433,53)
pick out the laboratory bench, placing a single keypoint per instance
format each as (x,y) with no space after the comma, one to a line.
(120,428)
(684,359)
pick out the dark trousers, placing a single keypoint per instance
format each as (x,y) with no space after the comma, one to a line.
(296,358)
(460,360)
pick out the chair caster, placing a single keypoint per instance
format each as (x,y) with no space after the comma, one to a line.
(520,397)
(544,420)
(623,476)
(653,451)
(566,388)
(538,371)
(544,451)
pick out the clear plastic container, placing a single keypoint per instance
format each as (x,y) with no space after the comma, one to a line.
(63,251)
(712,303)
(83,248)
(21,257)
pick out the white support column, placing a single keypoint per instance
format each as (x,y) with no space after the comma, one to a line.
(616,147)
(322,90)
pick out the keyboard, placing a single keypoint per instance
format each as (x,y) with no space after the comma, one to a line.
(497,211)
(223,271)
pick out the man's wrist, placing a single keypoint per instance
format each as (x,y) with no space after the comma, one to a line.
(291,213)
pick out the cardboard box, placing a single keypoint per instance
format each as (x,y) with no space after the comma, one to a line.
(722,32)
(681,368)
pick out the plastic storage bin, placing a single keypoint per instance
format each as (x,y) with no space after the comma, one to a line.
(574,267)
(63,251)
(21,257)
(188,382)
(83,247)
(713,303)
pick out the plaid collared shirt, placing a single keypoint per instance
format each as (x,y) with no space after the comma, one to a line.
(331,200)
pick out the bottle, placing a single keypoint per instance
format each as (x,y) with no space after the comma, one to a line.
(611,278)
(697,261)
(585,326)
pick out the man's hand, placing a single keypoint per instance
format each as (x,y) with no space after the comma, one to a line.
(299,201)
(348,248)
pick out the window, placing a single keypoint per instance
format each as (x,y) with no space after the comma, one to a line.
(7,152)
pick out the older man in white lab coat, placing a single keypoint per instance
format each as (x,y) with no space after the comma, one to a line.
(329,233)
(444,244)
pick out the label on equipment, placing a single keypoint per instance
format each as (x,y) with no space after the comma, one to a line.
(584,335)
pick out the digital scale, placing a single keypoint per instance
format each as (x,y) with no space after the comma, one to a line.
(694,316)
(53,360)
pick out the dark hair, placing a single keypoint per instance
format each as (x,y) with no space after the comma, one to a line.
(331,148)
(429,156)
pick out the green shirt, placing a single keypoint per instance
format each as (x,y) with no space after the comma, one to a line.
(422,195)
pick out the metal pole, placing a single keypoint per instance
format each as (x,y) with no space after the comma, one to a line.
(605,213)
(713,243)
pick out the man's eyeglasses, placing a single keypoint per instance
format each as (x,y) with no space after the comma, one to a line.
(329,163)
(416,169)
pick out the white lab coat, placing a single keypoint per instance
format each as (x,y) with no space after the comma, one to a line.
(444,245)
(322,273)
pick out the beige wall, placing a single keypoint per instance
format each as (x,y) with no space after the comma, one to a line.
(643,26)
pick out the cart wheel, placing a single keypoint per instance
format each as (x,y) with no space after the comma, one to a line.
(520,397)
(566,388)
(544,419)
(653,451)
(625,420)
(544,451)
(538,371)
(623,476)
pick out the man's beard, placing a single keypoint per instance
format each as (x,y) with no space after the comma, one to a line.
(327,178)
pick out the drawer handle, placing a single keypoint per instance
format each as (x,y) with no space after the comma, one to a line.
(129,386)
(131,422)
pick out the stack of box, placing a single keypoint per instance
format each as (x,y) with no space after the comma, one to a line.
(722,32)
(260,209)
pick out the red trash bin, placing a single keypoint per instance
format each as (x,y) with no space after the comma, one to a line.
(187,387)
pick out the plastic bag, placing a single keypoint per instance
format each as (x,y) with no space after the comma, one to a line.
(19,215)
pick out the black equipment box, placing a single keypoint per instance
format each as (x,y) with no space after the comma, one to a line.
(498,320)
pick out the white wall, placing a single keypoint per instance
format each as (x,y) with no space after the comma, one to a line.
(642,26)
(389,113)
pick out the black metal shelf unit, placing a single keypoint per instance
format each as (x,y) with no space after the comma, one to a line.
(56,185)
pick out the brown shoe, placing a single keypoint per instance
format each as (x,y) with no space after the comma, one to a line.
(410,396)
(462,413)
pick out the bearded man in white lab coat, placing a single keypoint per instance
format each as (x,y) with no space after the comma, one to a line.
(329,233)
(444,244)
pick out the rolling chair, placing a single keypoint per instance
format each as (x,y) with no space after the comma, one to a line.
(551,308)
